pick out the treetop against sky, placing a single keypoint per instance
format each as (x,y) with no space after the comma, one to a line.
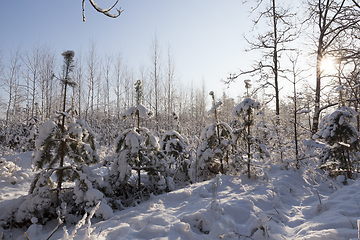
(205,37)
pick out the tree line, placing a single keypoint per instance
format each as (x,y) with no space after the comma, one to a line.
(104,87)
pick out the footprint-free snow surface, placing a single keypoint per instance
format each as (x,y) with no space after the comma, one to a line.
(286,204)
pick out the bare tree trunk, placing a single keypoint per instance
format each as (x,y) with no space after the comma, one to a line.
(275,61)
(317,89)
(11,82)
(98,92)
(155,58)
(118,84)
(48,62)
(170,89)
(249,146)
(92,62)
(33,64)
(107,70)
(79,76)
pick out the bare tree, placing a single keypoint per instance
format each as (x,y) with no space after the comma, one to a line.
(201,98)
(47,82)
(32,74)
(227,105)
(11,84)
(118,88)
(128,89)
(155,78)
(272,44)
(106,87)
(170,88)
(78,91)
(1,75)
(92,63)
(144,76)
(99,88)
(296,77)
(333,19)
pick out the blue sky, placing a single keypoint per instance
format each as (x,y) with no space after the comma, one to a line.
(205,36)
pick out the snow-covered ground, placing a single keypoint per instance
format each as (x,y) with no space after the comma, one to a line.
(286,204)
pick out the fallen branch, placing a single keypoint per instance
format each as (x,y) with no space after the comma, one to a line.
(318,196)
(60,222)
(25,234)
(88,229)
(78,225)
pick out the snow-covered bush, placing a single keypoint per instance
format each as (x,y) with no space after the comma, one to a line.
(40,202)
(215,148)
(260,227)
(87,195)
(63,140)
(249,146)
(178,158)
(279,141)
(137,149)
(73,141)
(12,173)
(65,146)
(342,153)
(19,136)
(32,132)
(214,151)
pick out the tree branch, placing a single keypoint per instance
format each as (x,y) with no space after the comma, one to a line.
(356,4)
(101,10)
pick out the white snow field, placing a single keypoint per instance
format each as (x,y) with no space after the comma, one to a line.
(283,205)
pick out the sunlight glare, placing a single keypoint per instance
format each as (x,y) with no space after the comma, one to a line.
(327,64)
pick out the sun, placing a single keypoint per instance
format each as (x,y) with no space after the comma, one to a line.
(327,65)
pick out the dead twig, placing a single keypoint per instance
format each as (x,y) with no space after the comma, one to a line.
(60,222)
(25,234)
(351,222)
(318,196)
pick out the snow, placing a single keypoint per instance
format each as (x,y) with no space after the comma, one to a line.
(330,123)
(143,111)
(45,130)
(305,111)
(129,112)
(214,107)
(340,88)
(242,108)
(286,204)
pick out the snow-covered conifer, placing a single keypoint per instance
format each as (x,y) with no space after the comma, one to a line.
(137,149)
(342,154)
(252,147)
(40,201)
(65,137)
(174,146)
(215,146)
(87,196)
(65,145)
